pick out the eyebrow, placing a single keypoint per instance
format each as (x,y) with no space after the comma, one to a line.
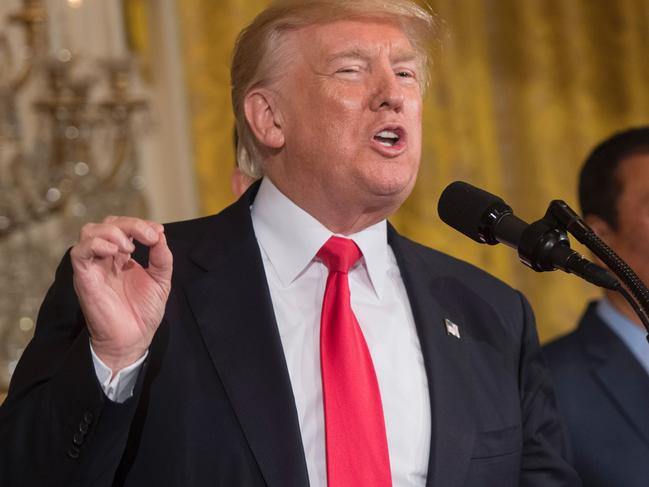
(366,55)
(350,53)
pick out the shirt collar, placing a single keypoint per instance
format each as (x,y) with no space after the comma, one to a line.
(630,333)
(291,237)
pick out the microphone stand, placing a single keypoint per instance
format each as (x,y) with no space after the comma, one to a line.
(560,218)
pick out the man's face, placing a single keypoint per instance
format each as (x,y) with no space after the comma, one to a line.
(630,240)
(350,104)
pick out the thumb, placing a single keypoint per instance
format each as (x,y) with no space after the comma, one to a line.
(160,259)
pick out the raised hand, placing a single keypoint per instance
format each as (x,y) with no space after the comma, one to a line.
(122,302)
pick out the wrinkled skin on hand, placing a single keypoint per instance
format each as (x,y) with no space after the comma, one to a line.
(122,302)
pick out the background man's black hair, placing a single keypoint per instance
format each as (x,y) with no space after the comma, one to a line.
(599,183)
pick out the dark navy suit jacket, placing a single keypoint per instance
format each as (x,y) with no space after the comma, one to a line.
(603,393)
(214,405)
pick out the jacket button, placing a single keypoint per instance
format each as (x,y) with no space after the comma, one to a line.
(88,417)
(78,438)
(73,452)
(83,428)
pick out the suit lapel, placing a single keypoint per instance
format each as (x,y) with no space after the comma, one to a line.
(447,367)
(245,347)
(244,344)
(617,371)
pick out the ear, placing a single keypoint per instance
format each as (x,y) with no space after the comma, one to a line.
(600,226)
(263,118)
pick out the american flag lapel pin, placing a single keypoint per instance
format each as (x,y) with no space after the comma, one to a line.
(452,328)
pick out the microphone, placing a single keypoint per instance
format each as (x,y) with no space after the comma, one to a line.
(487,219)
(481,216)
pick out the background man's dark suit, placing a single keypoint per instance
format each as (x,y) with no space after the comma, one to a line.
(214,405)
(603,394)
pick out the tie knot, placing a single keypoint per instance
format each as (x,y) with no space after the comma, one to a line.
(339,254)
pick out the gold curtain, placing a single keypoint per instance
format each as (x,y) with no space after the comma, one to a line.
(521,91)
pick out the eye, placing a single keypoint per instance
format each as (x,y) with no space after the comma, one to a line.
(405,74)
(349,69)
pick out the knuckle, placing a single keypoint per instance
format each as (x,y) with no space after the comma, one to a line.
(86,231)
(94,243)
(110,219)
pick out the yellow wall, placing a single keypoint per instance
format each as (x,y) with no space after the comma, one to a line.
(521,91)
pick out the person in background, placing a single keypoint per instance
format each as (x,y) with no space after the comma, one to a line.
(601,370)
(295,339)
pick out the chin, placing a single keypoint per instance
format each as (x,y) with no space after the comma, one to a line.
(397,182)
(390,194)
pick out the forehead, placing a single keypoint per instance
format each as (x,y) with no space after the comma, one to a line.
(633,172)
(361,38)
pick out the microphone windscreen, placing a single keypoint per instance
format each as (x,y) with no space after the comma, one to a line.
(464,208)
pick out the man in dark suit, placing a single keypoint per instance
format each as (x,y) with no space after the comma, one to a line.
(301,340)
(601,370)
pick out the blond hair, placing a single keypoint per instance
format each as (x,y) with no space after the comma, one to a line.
(257,52)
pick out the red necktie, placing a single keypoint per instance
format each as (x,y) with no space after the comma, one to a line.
(357,447)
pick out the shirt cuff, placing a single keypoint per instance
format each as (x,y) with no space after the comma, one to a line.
(118,388)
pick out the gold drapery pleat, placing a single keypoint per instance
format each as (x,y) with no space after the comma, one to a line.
(208,31)
(520,93)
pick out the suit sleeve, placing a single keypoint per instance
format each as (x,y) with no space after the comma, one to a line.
(545,449)
(56,425)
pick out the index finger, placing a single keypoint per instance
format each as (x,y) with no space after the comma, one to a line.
(146,232)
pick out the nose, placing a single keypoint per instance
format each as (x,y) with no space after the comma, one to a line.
(388,94)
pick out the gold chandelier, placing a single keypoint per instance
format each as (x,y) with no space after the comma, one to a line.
(69,128)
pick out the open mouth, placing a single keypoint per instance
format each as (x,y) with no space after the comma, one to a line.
(390,137)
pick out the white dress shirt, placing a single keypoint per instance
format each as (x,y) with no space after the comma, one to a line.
(289,239)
